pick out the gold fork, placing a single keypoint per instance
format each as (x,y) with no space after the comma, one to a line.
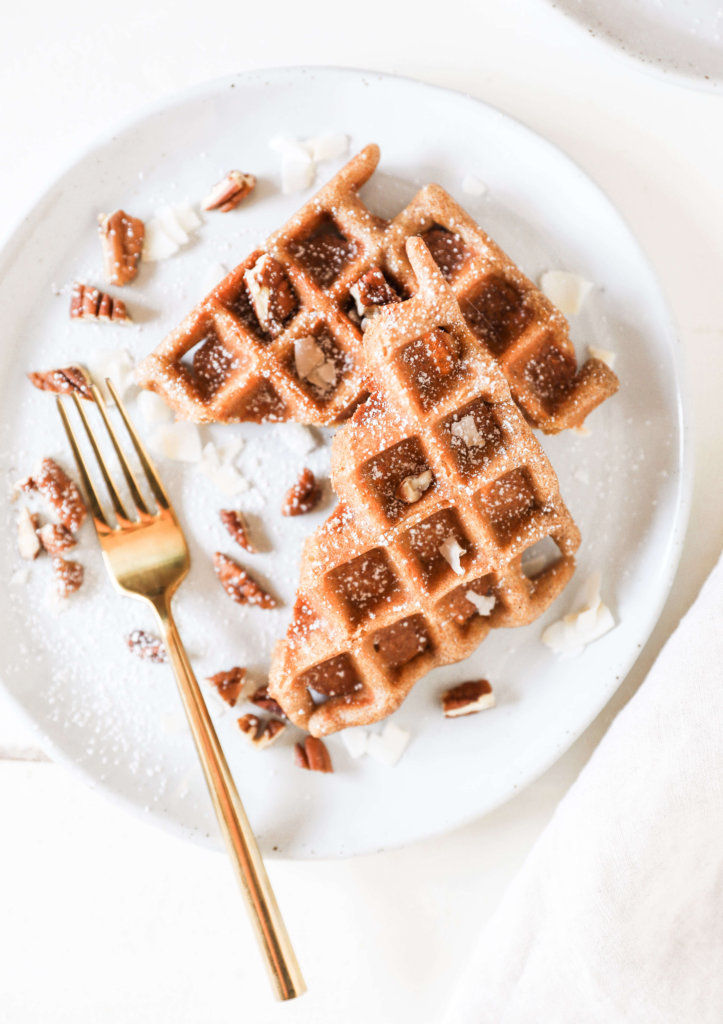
(147,558)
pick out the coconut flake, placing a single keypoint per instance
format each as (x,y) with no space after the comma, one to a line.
(187,217)
(297,438)
(467,432)
(452,551)
(356,741)
(388,746)
(216,463)
(308,355)
(169,230)
(473,186)
(157,244)
(178,441)
(297,170)
(324,376)
(116,363)
(605,355)
(171,224)
(328,147)
(565,290)
(153,409)
(484,603)
(569,635)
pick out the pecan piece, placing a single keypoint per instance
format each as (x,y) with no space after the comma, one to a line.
(262,732)
(60,493)
(467,698)
(312,755)
(237,528)
(263,699)
(227,194)
(91,304)
(28,543)
(240,587)
(122,239)
(147,647)
(229,684)
(56,538)
(442,349)
(271,293)
(303,496)
(66,381)
(371,291)
(412,488)
(68,576)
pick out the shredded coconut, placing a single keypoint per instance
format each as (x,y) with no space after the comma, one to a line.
(169,230)
(569,635)
(452,551)
(484,603)
(116,363)
(467,432)
(565,290)
(605,355)
(388,746)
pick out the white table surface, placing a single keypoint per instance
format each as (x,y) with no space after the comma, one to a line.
(104,918)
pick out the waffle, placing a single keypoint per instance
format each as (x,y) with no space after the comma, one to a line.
(379,603)
(236,356)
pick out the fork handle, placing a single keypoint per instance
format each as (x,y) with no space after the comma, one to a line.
(241,843)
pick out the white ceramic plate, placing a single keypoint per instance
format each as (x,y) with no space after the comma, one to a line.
(118,720)
(680,39)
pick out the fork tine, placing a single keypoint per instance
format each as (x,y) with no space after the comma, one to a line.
(101,523)
(153,480)
(112,490)
(138,498)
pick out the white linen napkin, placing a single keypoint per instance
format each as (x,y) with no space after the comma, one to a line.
(617,914)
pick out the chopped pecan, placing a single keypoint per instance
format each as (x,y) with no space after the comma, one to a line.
(66,381)
(443,350)
(412,488)
(262,732)
(239,586)
(312,755)
(122,239)
(146,647)
(227,194)
(303,496)
(271,293)
(91,304)
(262,699)
(28,543)
(56,538)
(229,684)
(467,698)
(372,290)
(60,493)
(237,528)
(68,576)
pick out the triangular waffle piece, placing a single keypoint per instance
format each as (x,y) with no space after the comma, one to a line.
(281,337)
(437,471)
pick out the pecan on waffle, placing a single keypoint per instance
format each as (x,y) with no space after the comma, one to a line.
(442,489)
(281,337)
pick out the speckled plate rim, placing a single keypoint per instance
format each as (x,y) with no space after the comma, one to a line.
(14,240)
(657,67)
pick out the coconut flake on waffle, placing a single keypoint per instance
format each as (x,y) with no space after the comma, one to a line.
(423,520)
